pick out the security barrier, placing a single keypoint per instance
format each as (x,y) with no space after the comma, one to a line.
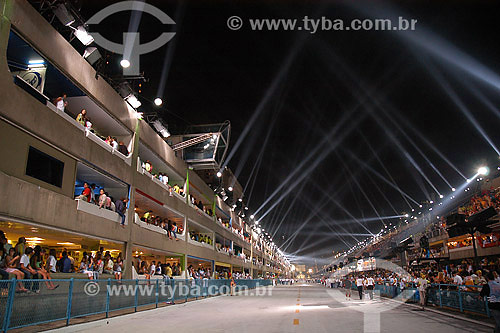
(441,295)
(78,297)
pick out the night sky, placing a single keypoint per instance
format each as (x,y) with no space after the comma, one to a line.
(376,87)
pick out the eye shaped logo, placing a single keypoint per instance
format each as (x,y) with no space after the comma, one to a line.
(131,48)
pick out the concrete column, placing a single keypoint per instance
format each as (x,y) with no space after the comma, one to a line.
(131,205)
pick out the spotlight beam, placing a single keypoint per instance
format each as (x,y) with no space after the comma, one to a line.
(267,97)
(355,79)
(376,173)
(405,153)
(410,140)
(360,189)
(461,106)
(170,51)
(313,165)
(417,133)
(375,154)
(316,153)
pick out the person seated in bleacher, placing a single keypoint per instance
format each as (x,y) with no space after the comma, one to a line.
(36,262)
(9,264)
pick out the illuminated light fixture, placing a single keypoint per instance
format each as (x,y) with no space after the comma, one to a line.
(246,208)
(420,206)
(34,239)
(133,101)
(125,63)
(230,188)
(431,202)
(161,129)
(92,55)
(66,243)
(219,174)
(36,63)
(83,36)
(453,189)
(406,215)
(206,146)
(430,208)
(240,200)
(483,171)
(468,180)
(252,217)
(158,101)
(441,196)
(63,15)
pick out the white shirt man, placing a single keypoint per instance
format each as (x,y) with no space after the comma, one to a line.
(61,103)
(422,286)
(52,264)
(359,284)
(25,260)
(458,279)
(370,281)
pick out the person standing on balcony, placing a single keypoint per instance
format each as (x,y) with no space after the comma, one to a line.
(170,226)
(148,166)
(114,143)
(61,102)
(174,231)
(122,148)
(121,207)
(82,117)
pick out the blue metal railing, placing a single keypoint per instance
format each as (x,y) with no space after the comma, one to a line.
(441,295)
(80,297)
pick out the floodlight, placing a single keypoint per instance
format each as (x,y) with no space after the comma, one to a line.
(483,171)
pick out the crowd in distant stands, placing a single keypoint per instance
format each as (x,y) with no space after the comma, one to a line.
(201,238)
(169,226)
(104,200)
(156,268)
(84,119)
(25,262)
(198,204)
(487,198)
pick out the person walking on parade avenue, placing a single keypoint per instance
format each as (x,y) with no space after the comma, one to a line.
(370,284)
(359,284)
(422,286)
(347,286)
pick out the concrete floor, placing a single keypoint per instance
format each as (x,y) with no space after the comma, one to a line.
(298,308)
